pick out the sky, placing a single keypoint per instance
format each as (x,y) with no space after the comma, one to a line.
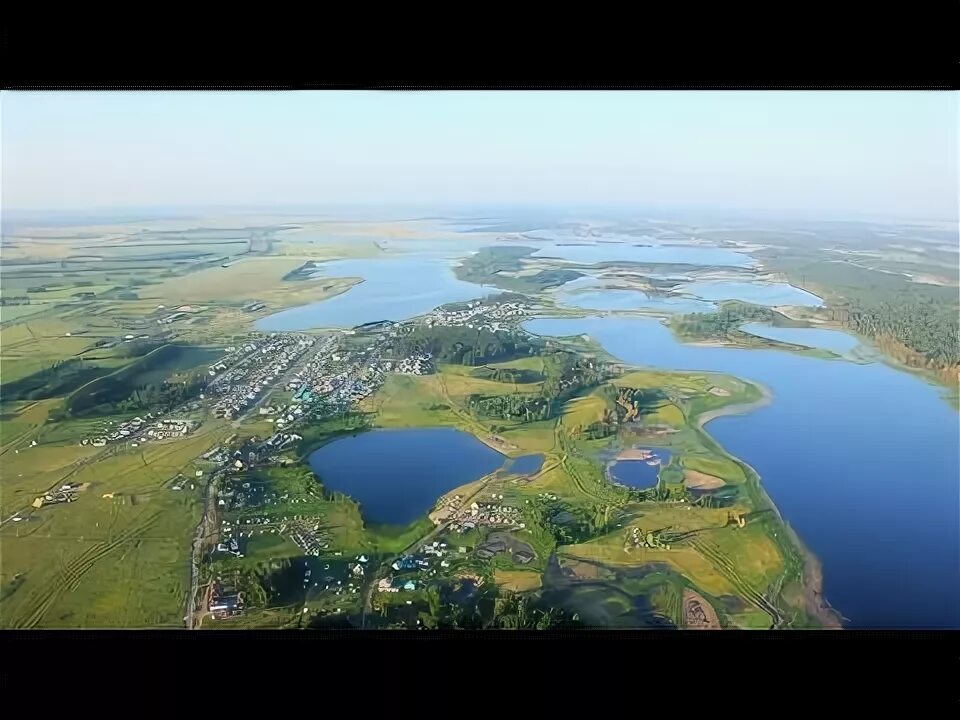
(833,153)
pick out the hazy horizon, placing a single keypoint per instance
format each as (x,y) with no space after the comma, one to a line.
(803,155)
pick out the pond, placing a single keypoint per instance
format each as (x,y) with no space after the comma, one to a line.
(637,472)
(525,465)
(861,459)
(396,476)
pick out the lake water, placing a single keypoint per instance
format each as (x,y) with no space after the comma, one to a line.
(637,473)
(607,252)
(861,459)
(839,342)
(758,293)
(622,299)
(394,288)
(397,475)
(525,465)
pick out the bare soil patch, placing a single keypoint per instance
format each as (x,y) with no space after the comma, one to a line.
(698,614)
(696,480)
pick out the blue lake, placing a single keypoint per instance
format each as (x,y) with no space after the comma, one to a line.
(639,473)
(839,342)
(758,293)
(397,475)
(394,288)
(525,465)
(607,252)
(861,459)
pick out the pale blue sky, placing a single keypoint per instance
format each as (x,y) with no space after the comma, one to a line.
(833,152)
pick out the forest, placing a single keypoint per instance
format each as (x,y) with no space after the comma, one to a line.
(928,328)
(466,346)
(915,323)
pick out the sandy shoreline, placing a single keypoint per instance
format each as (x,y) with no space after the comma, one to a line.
(740,409)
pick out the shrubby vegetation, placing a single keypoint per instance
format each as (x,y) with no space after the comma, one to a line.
(527,408)
(726,320)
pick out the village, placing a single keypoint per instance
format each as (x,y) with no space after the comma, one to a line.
(239,386)
(478,315)
(462,518)
(289,379)
(313,368)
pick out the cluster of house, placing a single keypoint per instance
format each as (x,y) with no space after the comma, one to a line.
(358,568)
(281,440)
(232,546)
(494,547)
(231,539)
(418,364)
(490,514)
(262,360)
(424,558)
(142,429)
(64,494)
(478,315)
(307,537)
(225,601)
(392,585)
(171,428)
(281,414)
(340,377)
(179,481)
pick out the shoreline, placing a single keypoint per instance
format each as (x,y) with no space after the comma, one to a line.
(814,602)
(766,397)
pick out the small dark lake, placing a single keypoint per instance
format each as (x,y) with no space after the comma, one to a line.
(397,475)
(637,473)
